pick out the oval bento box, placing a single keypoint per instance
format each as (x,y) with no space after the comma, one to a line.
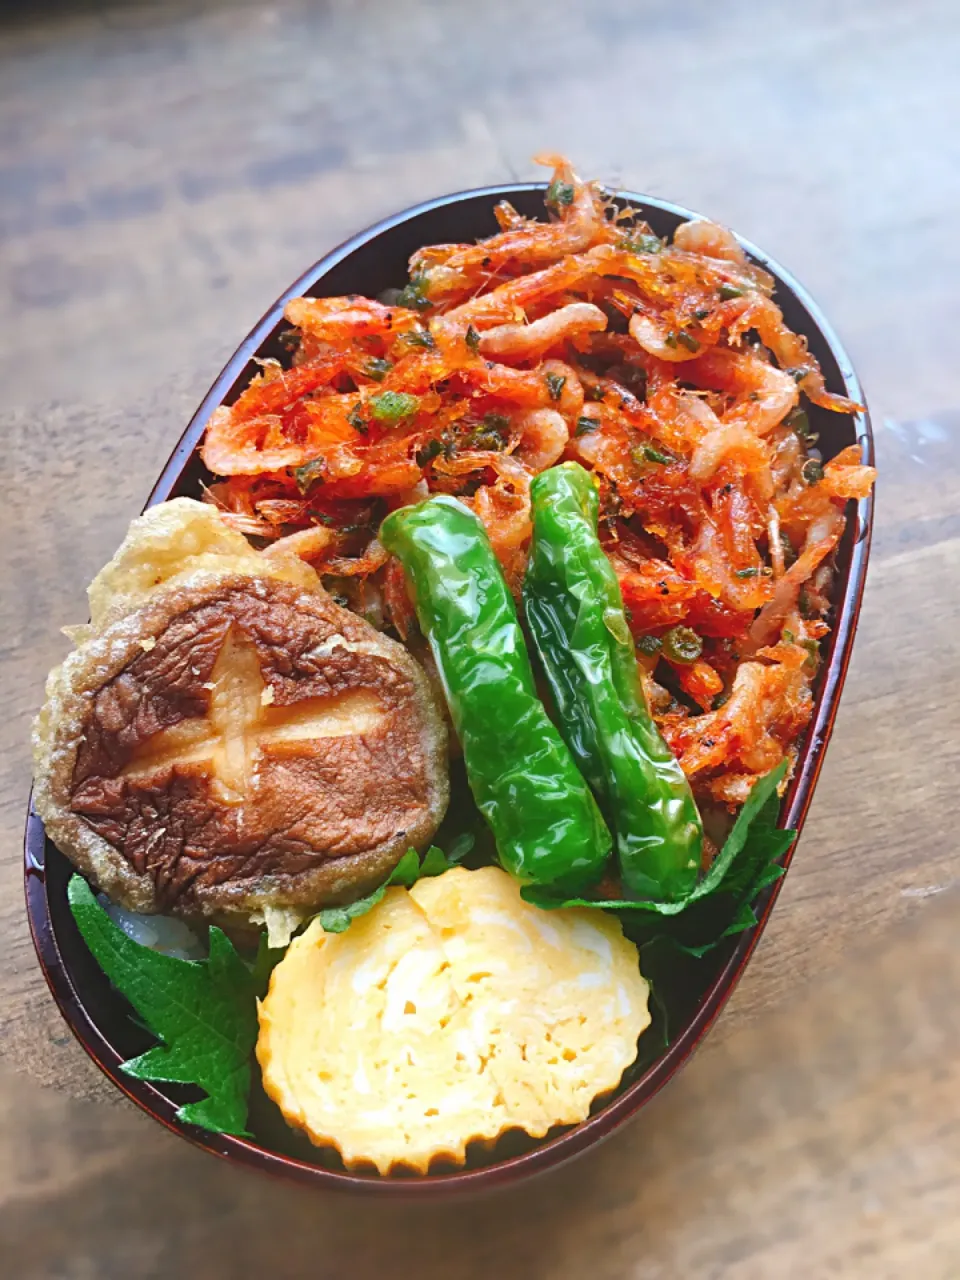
(98,1016)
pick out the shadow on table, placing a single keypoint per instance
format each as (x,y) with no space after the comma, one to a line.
(17,12)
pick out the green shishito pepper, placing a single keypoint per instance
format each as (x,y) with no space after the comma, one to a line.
(575,613)
(545,821)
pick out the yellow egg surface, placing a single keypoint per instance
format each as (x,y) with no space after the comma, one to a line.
(449,1014)
(555,997)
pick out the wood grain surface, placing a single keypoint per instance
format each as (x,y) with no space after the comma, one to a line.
(166,168)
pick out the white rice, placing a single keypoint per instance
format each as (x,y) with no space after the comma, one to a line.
(165,934)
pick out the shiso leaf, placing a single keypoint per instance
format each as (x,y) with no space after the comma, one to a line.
(407,871)
(266,960)
(721,904)
(435,862)
(203,1012)
(460,846)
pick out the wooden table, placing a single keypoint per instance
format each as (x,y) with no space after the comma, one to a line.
(165,170)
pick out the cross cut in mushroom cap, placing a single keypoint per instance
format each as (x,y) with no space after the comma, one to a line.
(237,744)
(241,723)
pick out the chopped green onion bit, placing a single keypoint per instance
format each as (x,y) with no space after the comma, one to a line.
(555,384)
(432,449)
(681,645)
(378,368)
(648,645)
(392,406)
(649,453)
(812,471)
(560,194)
(310,473)
(414,294)
(420,338)
(798,421)
(641,244)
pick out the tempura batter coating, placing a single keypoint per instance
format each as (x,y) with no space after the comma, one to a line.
(230,742)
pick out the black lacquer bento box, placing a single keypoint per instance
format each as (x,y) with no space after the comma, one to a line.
(99,1017)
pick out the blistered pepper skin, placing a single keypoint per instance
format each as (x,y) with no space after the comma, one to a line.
(546,823)
(576,617)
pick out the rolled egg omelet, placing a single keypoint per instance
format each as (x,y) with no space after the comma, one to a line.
(449,1014)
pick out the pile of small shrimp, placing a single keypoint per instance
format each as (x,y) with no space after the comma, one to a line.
(665,368)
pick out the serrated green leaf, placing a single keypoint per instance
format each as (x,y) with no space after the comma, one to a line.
(541,896)
(407,872)
(651,957)
(720,905)
(745,918)
(266,961)
(461,846)
(435,862)
(338,919)
(770,875)
(203,1012)
(762,807)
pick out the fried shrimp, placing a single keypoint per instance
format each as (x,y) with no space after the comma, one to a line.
(731,441)
(448,270)
(790,351)
(660,342)
(343,319)
(665,368)
(543,438)
(529,341)
(710,239)
(764,394)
